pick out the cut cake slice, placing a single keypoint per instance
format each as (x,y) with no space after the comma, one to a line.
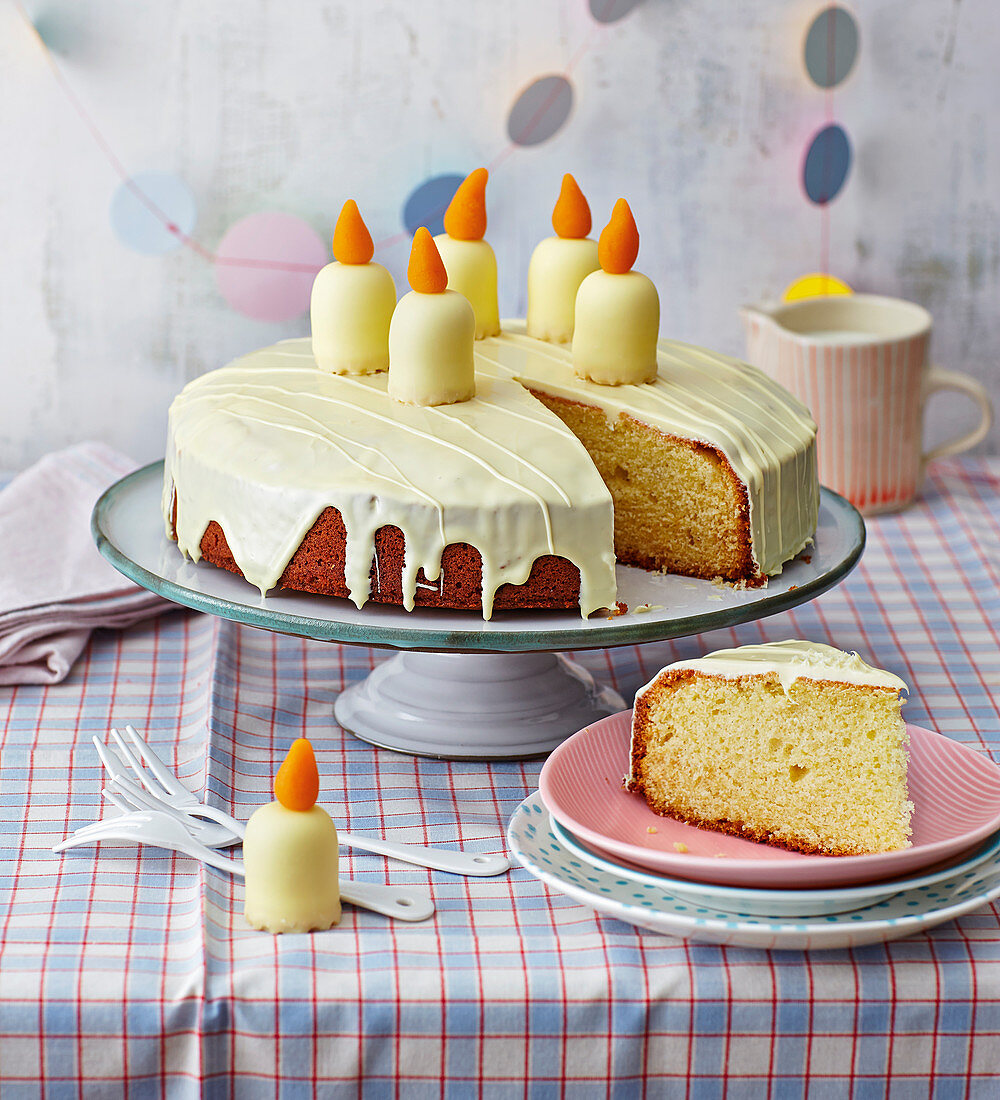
(794,744)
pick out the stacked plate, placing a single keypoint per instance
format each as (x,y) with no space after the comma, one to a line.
(584,835)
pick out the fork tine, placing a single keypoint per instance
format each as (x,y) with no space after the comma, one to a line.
(157,766)
(134,796)
(115,801)
(110,759)
(145,777)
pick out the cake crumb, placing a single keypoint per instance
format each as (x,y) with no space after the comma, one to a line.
(644,607)
(720,855)
(651,829)
(680,846)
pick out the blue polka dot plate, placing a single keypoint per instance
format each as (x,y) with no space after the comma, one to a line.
(748,902)
(653,906)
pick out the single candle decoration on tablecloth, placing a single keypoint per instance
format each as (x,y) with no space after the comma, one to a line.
(290,853)
(432,335)
(559,265)
(617,311)
(468,259)
(352,302)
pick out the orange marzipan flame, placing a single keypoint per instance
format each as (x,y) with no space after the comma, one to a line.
(426,271)
(296,786)
(352,243)
(465,218)
(571,214)
(618,244)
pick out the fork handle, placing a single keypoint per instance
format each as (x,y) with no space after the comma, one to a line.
(441,859)
(401,902)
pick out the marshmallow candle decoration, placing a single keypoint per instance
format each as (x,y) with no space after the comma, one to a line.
(559,265)
(290,853)
(468,259)
(432,335)
(352,302)
(617,311)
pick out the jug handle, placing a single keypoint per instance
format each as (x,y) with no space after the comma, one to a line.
(940,379)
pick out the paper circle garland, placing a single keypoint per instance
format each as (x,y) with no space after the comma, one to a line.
(266,263)
(427,204)
(540,110)
(828,160)
(831,46)
(153,212)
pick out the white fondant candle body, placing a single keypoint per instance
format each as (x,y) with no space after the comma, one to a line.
(292,870)
(431,357)
(350,309)
(617,326)
(558,266)
(472,271)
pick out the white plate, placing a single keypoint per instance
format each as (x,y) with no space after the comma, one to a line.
(651,906)
(776,903)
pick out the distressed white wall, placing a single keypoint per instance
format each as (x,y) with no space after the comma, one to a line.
(697,110)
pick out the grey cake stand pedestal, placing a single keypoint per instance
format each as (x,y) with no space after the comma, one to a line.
(462,688)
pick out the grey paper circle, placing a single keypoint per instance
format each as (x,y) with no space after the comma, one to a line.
(540,110)
(610,11)
(831,46)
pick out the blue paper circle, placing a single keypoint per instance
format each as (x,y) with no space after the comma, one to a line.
(427,204)
(831,47)
(144,209)
(827,164)
(540,110)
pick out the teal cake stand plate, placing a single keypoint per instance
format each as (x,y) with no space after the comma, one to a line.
(462,687)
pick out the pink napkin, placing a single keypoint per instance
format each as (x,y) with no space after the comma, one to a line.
(55,587)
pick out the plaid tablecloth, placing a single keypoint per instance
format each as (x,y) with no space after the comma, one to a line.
(130,972)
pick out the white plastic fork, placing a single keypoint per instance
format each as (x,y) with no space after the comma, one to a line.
(162,790)
(162,830)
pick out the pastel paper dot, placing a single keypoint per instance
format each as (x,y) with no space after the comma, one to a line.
(266,263)
(610,11)
(56,31)
(153,212)
(427,204)
(831,46)
(827,163)
(816,285)
(540,110)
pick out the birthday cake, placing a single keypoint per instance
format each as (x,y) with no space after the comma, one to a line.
(420,453)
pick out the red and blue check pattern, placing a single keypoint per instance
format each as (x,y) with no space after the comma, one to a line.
(132,972)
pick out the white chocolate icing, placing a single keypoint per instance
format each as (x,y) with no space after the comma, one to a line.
(431,359)
(263,445)
(292,869)
(767,435)
(472,271)
(350,309)
(617,326)
(558,266)
(790,661)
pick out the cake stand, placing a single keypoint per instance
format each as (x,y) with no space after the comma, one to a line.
(461,687)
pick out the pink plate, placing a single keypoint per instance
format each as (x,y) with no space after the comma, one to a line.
(955,792)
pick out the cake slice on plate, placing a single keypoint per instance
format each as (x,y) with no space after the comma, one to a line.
(794,743)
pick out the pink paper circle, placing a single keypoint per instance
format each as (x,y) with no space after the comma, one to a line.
(266,263)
